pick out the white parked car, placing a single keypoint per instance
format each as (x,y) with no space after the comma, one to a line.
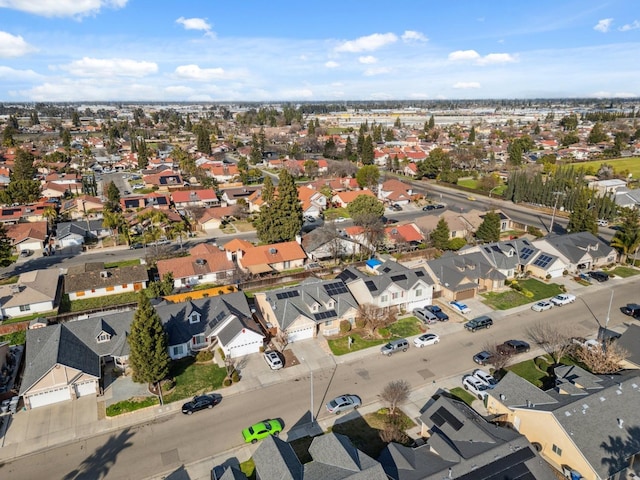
(563,299)
(340,219)
(485,377)
(273,360)
(460,307)
(475,386)
(541,306)
(426,339)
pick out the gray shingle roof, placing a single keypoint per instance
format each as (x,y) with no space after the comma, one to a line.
(275,460)
(88,278)
(630,341)
(574,246)
(513,391)
(461,272)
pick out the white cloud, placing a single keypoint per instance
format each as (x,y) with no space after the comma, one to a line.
(194,72)
(466,85)
(62,8)
(368,43)
(296,93)
(110,67)
(461,55)
(605,94)
(630,26)
(370,72)
(332,64)
(411,36)
(603,25)
(13,46)
(195,24)
(179,91)
(8,73)
(494,58)
(368,59)
(472,55)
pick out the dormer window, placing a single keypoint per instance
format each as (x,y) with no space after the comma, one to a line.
(194,317)
(103,337)
(314,307)
(330,304)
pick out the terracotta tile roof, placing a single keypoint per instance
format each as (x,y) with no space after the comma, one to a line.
(22,231)
(201,264)
(270,254)
(217,213)
(404,233)
(350,196)
(237,244)
(354,230)
(203,249)
(183,196)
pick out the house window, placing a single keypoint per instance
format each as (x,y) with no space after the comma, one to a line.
(194,317)
(198,339)
(104,337)
(93,290)
(328,324)
(25,308)
(395,295)
(314,307)
(125,286)
(418,292)
(557,450)
(177,350)
(384,298)
(287,265)
(453,234)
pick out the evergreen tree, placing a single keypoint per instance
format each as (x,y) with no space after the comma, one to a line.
(255,156)
(6,248)
(515,153)
(66,139)
(267,190)
(348,149)
(440,236)
(188,126)
(397,123)
(75,118)
(367,151)
(330,149)
(281,220)
(432,123)
(143,154)
(364,206)
(472,135)
(582,219)
(627,239)
(148,357)
(23,168)
(203,139)
(597,134)
(7,137)
(489,229)
(113,197)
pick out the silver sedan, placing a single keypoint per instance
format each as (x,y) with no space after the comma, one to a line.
(426,339)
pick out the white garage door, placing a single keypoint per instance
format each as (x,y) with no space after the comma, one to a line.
(47,398)
(86,388)
(300,334)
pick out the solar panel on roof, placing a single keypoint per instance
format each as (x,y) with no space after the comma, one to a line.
(442,416)
(336,288)
(325,315)
(370,285)
(289,294)
(526,253)
(398,278)
(513,463)
(419,273)
(347,275)
(543,260)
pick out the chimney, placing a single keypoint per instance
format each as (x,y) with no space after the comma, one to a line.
(299,239)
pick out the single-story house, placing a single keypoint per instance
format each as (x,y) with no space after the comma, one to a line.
(90,280)
(35,291)
(205,264)
(27,236)
(275,257)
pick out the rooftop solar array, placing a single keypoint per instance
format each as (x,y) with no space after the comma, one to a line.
(325,315)
(442,416)
(526,253)
(398,278)
(370,285)
(543,260)
(335,288)
(289,294)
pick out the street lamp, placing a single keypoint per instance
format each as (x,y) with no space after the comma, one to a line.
(555,206)
(491,191)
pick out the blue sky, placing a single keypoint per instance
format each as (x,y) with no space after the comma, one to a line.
(277,50)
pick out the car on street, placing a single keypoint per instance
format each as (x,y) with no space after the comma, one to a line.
(563,299)
(135,246)
(200,402)
(426,339)
(483,357)
(437,311)
(599,276)
(261,430)
(485,377)
(512,347)
(273,360)
(393,346)
(26,253)
(439,206)
(541,306)
(474,386)
(344,403)
(460,307)
(631,309)
(428,208)
(340,219)
(425,315)
(471,198)
(395,207)
(127,192)
(483,321)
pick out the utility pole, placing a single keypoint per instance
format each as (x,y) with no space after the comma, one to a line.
(555,206)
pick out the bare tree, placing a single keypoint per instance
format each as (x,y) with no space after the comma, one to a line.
(602,358)
(551,338)
(230,365)
(393,430)
(329,236)
(497,359)
(373,318)
(282,338)
(395,393)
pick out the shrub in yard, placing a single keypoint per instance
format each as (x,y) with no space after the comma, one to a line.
(345,326)
(548,277)
(221,353)
(508,282)
(204,356)
(235,376)
(360,322)
(541,363)
(227,382)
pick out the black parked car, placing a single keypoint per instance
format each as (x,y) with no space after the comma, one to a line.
(395,207)
(631,309)
(599,276)
(200,402)
(429,207)
(511,347)
(135,246)
(437,311)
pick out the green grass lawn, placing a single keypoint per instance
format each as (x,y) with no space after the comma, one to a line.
(98,302)
(28,318)
(9,280)
(468,183)
(193,379)
(512,298)
(405,327)
(333,213)
(132,405)
(631,164)
(624,272)
(530,372)
(123,263)
(463,395)
(364,432)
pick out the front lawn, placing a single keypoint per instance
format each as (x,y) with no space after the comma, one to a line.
(123,263)
(98,302)
(333,213)
(403,328)
(364,432)
(513,298)
(530,372)
(624,272)
(193,379)
(463,395)
(131,405)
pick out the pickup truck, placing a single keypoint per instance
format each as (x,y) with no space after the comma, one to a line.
(563,299)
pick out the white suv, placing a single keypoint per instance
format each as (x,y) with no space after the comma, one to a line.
(485,377)
(475,386)
(563,299)
(273,360)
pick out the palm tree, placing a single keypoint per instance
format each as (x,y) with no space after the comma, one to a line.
(178,229)
(50,214)
(627,239)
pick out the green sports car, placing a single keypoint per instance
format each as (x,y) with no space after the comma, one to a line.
(261,430)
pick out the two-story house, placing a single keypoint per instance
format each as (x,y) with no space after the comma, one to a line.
(205,264)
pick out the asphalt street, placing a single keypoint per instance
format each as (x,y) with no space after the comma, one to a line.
(166,443)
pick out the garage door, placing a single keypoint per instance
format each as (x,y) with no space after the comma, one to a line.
(300,334)
(50,397)
(86,388)
(465,294)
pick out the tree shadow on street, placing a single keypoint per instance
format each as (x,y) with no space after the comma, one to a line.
(98,464)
